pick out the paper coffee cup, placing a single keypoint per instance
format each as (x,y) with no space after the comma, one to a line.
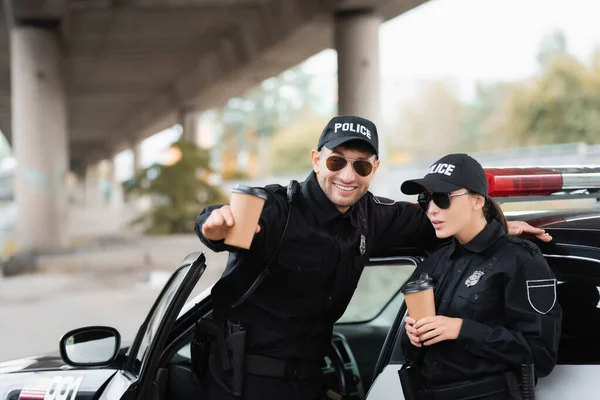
(246,205)
(419,298)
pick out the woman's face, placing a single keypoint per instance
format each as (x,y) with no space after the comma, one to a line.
(462,219)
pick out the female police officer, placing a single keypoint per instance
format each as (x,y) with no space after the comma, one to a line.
(495,294)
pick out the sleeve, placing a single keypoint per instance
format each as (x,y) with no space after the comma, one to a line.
(218,245)
(272,221)
(403,224)
(534,318)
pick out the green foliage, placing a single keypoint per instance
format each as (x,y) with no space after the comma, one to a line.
(429,125)
(179,191)
(291,146)
(560,106)
(247,122)
(486,125)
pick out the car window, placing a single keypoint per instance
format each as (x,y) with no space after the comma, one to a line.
(157,316)
(378,285)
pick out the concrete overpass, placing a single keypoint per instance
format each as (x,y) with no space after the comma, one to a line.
(81,80)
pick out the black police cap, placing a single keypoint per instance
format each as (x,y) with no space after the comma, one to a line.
(344,128)
(450,173)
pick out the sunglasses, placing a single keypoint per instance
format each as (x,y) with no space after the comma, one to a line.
(442,200)
(337,163)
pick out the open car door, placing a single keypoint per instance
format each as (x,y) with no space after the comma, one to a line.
(140,379)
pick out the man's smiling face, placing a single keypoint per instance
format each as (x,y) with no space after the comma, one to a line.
(344,187)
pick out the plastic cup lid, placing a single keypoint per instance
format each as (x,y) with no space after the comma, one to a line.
(254,191)
(418,285)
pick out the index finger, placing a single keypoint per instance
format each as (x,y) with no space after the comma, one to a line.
(227,215)
(423,321)
(544,237)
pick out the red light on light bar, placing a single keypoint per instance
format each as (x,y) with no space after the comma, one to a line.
(505,182)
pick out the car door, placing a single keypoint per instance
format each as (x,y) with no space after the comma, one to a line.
(372,310)
(138,379)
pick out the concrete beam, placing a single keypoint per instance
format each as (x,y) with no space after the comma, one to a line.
(240,56)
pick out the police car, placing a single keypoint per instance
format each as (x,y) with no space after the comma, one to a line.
(365,352)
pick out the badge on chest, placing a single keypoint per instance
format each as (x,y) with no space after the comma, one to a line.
(473,279)
(363,245)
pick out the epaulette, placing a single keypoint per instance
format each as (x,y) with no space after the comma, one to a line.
(383,201)
(274,191)
(525,243)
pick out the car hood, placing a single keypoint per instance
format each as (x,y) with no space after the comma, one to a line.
(35,363)
(37,376)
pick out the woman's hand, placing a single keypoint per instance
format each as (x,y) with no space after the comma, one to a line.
(432,330)
(411,332)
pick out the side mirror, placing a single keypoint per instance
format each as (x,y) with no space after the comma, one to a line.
(92,346)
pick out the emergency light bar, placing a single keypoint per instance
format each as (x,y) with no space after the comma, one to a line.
(534,181)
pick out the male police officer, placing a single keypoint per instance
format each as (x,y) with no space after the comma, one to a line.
(316,236)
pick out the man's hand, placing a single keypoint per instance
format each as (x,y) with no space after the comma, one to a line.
(411,332)
(218,223)
(518,228)
(432,330)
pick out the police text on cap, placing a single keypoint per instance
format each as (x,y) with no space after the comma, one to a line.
(442,168)
(349,127)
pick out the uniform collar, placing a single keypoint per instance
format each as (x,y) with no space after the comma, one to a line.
(320,204)
(484,239)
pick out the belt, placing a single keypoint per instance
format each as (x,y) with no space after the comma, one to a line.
(286,369)
(505,383)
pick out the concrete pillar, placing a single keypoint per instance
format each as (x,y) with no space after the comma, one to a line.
(357,45)
(136,149)
(93,195)
(117,199)
(189,121)
(39,126)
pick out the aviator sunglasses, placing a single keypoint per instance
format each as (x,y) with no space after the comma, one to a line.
(337,163)
(442,200)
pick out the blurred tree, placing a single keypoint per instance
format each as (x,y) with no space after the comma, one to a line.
(487,122)
(432,124)
(561,105)
(249,121)
(291,146)
(552,47)
(179,190)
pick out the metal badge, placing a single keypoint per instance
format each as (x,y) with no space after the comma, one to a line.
(363,245)
(473,279)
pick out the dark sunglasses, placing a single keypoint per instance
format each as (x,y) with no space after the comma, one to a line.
(442,200)
(337,163)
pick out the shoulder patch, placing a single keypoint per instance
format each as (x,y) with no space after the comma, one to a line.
(383,201)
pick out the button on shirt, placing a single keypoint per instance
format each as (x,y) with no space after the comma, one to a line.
(504,291)
(316,270)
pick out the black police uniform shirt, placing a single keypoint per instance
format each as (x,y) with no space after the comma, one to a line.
(316,270)
(505,292)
